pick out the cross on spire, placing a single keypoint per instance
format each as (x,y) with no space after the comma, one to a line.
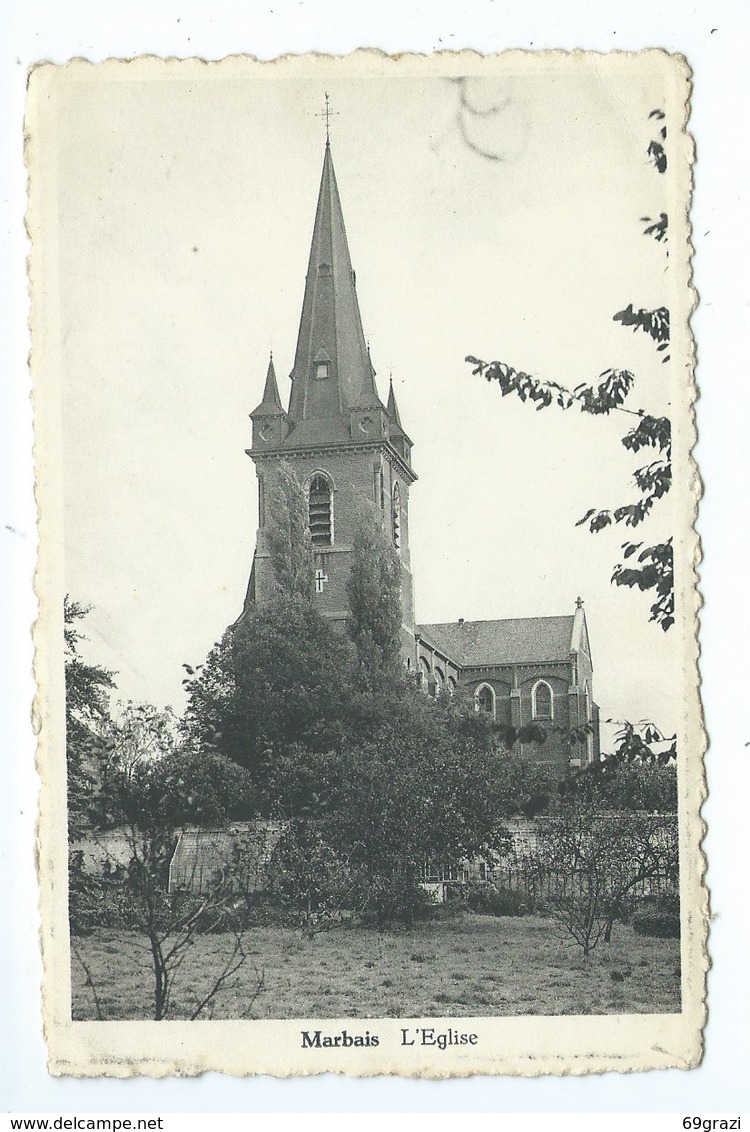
(327,113)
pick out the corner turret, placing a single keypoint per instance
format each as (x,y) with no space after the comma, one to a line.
(397,436)
(270,421)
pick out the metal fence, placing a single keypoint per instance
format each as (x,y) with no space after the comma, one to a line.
(540,884)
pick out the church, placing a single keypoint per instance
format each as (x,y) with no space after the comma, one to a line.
(346,445)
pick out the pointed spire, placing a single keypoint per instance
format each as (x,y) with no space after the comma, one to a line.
(393,412)
(271,391)
(332,370)
(271,403)
(398,437)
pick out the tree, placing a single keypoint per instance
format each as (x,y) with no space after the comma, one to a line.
(309,878)
(87,688)
(391,807)
(527,785)
(639,776)
(289,540)
(141,733)
(374,592)
(130,772)
(153,801)
(644,744)
(186,787)
(651,567)
(210,718)
(285,684)
(282,677)
(137,734)
(171,924)
(590,861)
(612,831)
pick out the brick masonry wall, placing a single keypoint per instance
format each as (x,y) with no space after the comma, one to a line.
(356,478)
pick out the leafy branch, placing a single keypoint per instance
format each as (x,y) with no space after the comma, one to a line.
(656,149)
(655,323)
(643,744)
(656,228)
(653,480)
(538,733)
(614,386)
(655,572)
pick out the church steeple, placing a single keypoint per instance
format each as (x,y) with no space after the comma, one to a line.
(347,450)
(332,371)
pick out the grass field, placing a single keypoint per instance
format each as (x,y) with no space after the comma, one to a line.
(469,966)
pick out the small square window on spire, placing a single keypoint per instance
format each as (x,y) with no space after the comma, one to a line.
(321,365)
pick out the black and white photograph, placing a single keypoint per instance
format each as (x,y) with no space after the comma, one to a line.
(369,714)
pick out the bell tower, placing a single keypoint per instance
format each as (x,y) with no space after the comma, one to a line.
(345,445)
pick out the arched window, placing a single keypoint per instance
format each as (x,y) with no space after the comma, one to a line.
(439,681)
(586,703)
(424,674)
(484,699)
(396,519)
(320,511)
(541,700)
(451,685)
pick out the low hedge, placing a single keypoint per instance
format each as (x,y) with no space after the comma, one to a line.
(495,900)
(663,925)
(658,916)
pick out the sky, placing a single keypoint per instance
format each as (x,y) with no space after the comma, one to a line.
(184,201)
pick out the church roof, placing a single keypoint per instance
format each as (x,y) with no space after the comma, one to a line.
(517,640)
(332,371)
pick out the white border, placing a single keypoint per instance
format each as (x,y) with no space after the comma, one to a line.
(714,37)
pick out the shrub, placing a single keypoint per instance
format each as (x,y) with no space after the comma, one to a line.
(664,925)
(308,878)
(658,916)
(396,899)
(114,898)
(494,900)
(98,900)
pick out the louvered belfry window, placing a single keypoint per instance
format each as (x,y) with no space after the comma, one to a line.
(320,511)
(396,518)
